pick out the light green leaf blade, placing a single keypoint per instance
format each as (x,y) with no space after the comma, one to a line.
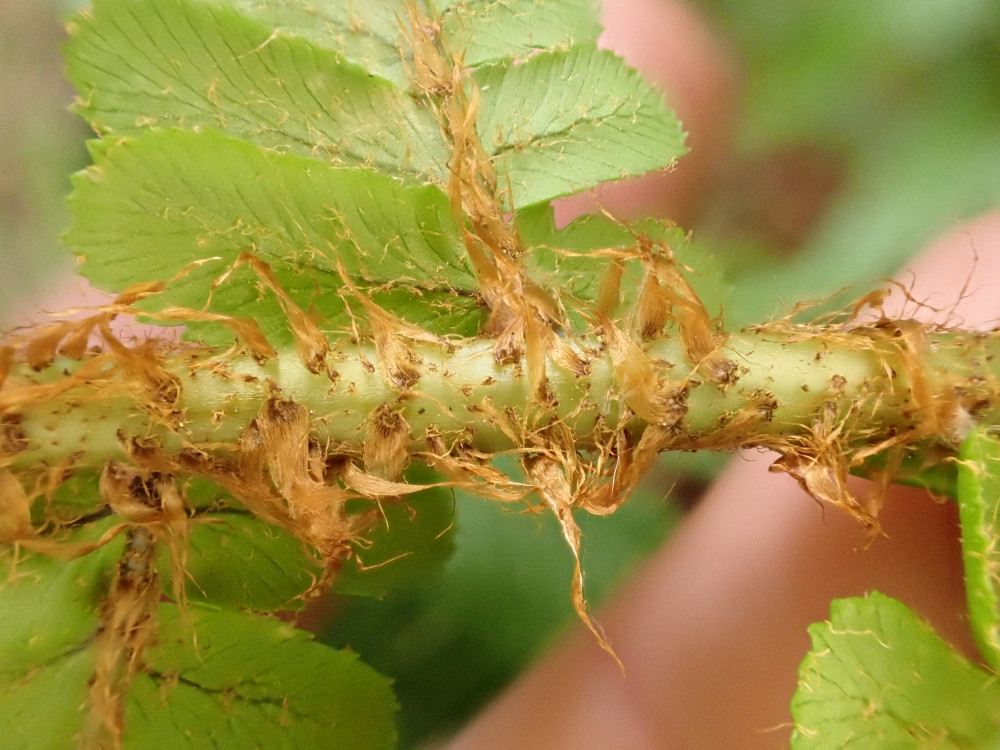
(225,679)
(979,510)
(139,64)
(370,36)
(564,260)
(490,30)
(878,677)
(564,121)
(442,313)
(153,205)
(222,543)
(476,31)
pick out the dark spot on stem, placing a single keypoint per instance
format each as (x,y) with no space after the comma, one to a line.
(12,438)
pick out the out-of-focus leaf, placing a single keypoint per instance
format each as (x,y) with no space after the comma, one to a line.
(225,679)
(76,497)
(452,643)
(407,546)
(45,709)
(904,98)
(48,616)
(48,606)
(236,560)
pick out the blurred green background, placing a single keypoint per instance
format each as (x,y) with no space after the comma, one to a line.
(882,116)
(863,130)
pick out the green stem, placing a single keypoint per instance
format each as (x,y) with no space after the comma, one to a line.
(864,387)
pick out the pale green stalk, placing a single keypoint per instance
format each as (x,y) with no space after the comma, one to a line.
(787,385)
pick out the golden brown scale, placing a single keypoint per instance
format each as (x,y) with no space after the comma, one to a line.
(736,429)
(249,337)
(609,290)
(551,478)
(673,295)
(643,386)
(391,335)
(128,626)
(142,367)
(387,438)
(524,319)
(521,312)
(465,467)
(310,343)
(818,462)
(19,396)
(15,510)
(315,508)
(155,513)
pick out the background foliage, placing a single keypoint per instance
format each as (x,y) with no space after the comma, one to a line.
(883,113)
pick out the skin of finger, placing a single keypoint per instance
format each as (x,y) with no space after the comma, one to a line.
(67,296)
(712,629)
(954,279)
